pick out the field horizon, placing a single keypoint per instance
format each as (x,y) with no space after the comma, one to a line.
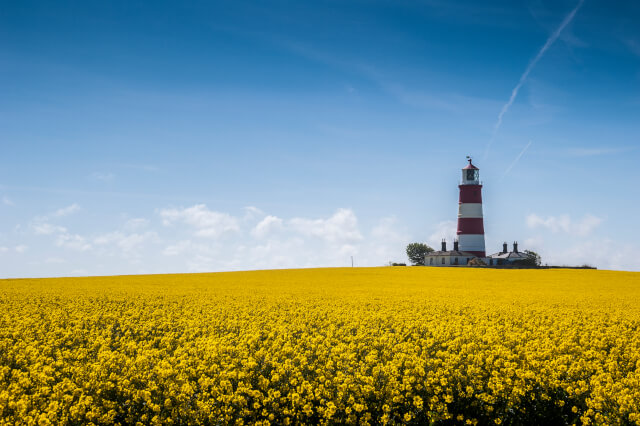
(553,268)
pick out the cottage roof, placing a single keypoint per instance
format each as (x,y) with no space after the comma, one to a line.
(511,255)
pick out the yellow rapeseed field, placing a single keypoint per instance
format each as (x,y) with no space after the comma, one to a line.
(362,345)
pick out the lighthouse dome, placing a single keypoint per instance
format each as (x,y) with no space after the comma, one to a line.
(470,174)
(470,166)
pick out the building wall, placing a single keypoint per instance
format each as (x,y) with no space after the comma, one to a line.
(448,260)
(500,261)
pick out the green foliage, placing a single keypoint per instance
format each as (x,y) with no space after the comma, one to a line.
(533,259)
(416,253)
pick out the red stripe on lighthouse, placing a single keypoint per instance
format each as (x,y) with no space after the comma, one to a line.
(470,225)
(470,193)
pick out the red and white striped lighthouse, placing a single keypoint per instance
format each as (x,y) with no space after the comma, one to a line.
(470,222)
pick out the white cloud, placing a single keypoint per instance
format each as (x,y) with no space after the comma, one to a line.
(44,228)
(386,243)
(127,244)
(207,223)
(66,211)
(385,229)
(202,256)
(4,249)
(342,227)
(563,223)
(266,241)
(557,249)
(178,248)
(443,230)
(533,243)
(276,242)
(136,224)
(586,225)
(64,238)
(41,226)
(252,212)
(103,177)
(266,226)
(21,248)
(602,253)
(7,201)
(73,241)
(554,223)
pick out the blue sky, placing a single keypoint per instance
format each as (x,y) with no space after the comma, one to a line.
(201,136)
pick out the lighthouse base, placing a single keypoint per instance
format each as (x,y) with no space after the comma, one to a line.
(472,243)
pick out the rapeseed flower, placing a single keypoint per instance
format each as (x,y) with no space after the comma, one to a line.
(323,346)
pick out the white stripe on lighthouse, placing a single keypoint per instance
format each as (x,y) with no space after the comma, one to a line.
(471,242)
(470,210)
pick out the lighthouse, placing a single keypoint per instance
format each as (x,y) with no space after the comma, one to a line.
(470,221)
(469,249)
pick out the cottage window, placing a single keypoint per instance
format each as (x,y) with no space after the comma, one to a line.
(443,260)
(431,261)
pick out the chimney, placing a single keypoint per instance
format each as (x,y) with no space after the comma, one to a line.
(444,245)
(515,246)
(504,247)
(455,245)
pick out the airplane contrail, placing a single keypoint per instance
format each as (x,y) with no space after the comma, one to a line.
(506,172)
(552,38)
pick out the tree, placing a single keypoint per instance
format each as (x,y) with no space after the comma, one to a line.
(532,259)
(416,253)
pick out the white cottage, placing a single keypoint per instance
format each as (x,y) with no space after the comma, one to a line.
(446,257)
(506,257)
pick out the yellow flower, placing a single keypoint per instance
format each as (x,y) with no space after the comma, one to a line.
(305,346)
(417,401)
